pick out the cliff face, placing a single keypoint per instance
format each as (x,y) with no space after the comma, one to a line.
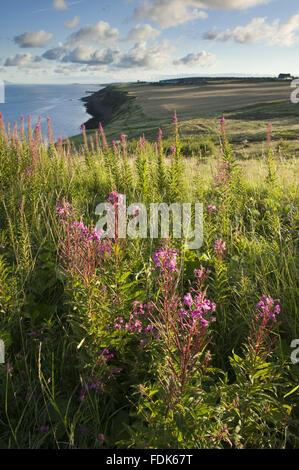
(105,105)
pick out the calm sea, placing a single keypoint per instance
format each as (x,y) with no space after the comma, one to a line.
(60,102)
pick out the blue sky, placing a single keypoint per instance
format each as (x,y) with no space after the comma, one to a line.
(99,41)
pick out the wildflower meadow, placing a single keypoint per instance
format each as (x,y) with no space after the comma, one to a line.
(139,342)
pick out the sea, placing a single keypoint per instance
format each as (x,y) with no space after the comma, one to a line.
(61,103)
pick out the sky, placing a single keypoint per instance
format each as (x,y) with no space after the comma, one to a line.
(103,41)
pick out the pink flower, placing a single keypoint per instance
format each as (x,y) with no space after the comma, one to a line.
(222,121)
(202,274)
(116,199)
(112,196)
(204,322)
(211,209)
(202,307)
(219,248)
(149,328)
(267,308)
(142,142)
(159,136)
(188,300)
(165,258)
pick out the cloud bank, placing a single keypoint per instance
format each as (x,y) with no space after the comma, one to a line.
(168,13)
(19,60)
(91,56)
(258,30)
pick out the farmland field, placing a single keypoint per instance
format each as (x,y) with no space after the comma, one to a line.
(248,107)
(191,101)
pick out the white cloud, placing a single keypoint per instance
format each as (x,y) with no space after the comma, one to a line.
(19,60)
(98,33)
(140,56)
(73,23)
(153,57)
(91,56)
(60,5)
(28,39)
(200,59)
(168,13)
(258,30)
(142,32)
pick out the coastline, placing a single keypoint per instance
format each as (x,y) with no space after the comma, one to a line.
(105,105)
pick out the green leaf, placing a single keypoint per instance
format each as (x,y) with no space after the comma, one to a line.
(291,392)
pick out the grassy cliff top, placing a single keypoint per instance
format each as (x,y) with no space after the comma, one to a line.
(136,109)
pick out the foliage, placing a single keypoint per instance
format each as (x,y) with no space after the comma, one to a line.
(119,342)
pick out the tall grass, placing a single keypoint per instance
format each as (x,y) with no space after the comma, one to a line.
(114,343)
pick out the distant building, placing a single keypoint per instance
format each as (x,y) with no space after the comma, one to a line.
(285,76)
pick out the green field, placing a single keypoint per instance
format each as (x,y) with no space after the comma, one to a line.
(248,107)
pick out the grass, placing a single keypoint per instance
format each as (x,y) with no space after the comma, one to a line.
(112,343)
(203,100)
(248,107)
